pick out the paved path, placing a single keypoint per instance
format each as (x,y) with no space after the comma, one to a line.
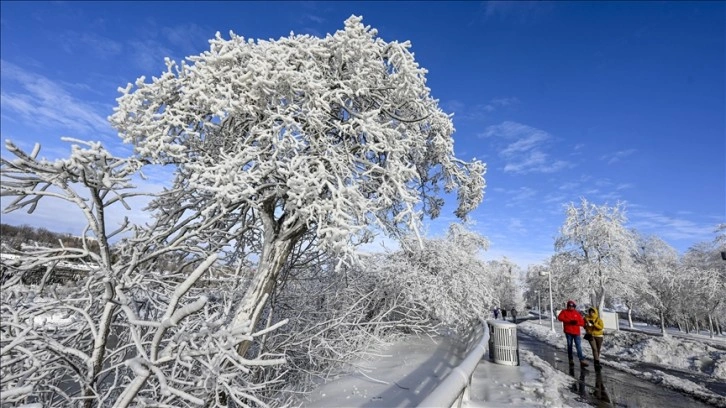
(608,387)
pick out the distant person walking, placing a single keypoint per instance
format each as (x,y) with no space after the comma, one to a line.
(496,313)
(514,315)
(594,334)
(572,321)
(504,314)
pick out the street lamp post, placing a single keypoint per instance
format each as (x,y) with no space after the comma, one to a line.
(552,309)
(539,307)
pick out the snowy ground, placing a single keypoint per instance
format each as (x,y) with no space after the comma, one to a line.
(401,374)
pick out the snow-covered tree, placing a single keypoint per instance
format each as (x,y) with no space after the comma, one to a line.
(565,284)
(30,180)
(329,135)
(705,272)
(507,284)
(720,240)
(663,279)
(602,247)
(537,286)
(633,300)
(720,244)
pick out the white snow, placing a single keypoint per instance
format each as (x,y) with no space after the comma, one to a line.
(397,375)
(54,321)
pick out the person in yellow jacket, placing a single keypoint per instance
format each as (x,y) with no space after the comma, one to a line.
(594,334)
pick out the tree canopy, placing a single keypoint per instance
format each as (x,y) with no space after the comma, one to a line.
(330,134)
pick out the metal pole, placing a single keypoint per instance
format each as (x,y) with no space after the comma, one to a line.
(552,309)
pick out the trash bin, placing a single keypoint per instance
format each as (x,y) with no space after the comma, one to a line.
(503,346)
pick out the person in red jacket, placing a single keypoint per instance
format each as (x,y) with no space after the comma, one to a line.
(572,321)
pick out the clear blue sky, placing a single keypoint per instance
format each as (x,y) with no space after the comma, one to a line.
(605,100)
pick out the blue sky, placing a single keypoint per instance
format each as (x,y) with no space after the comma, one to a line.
(605,100)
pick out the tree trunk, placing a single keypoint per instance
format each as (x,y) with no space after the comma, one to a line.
(274,256)
(662,324)
(104,326)
(710,326)
(99,348)
(696,326)
(688,327)
(630,317)
(600,296)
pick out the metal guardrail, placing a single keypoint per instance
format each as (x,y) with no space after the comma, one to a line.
(455,387)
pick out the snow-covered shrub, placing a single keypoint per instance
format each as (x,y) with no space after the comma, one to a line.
(335,315)
(128,332)
(155,352)
(443,277)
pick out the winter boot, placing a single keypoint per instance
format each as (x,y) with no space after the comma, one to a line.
(572,362)
(597,365)
(583,363)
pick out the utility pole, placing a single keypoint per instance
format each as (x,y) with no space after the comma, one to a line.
(552,309)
